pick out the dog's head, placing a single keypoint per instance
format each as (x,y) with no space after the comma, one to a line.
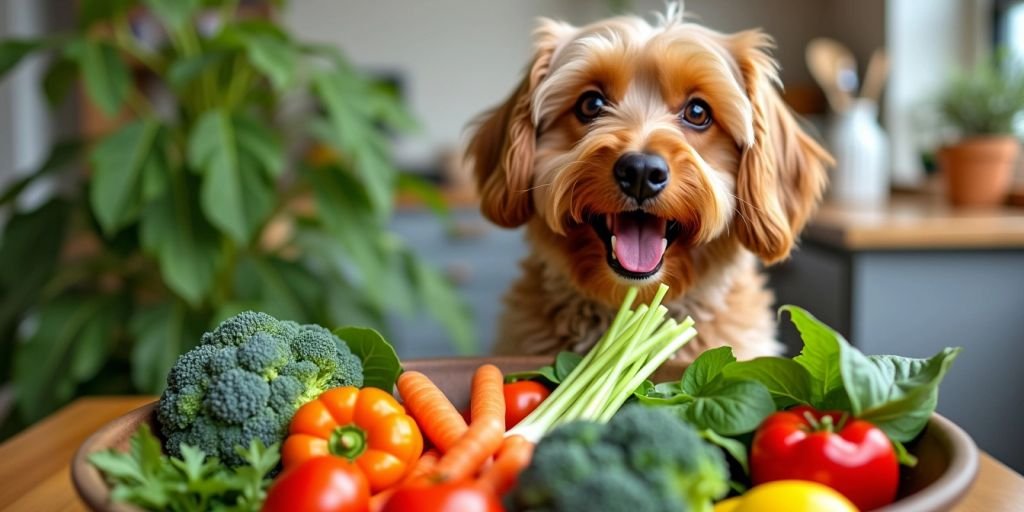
(628,145)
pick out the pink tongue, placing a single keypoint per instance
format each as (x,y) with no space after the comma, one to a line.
(638,237)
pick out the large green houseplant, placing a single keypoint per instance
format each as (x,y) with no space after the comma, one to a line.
(196,208)
(983,106)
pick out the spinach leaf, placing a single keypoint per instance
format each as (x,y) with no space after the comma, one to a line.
(555,373)
(381,366)
(820,355)
(788,382)
(565,363)
(897,394)
(734,447)
(729,407)
(709,400)
(706,367)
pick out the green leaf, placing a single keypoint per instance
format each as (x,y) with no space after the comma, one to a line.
(28,261)
(13,50)
(380,362)
(729,407)
(897,394)
(93,11)
(820,355)
(44,366)
(176,14)
(281,288)
(347,214)
(706,368)
(120,162)
(107,79)
(95,342)
(59,78)
(386,105)
(428,193)
(274,57)
(184,71)
(62,154)
(162,332)
(787,381)
(735,449)
(353,130)
(186,246)
(236,195)
(545,372)
(565,363)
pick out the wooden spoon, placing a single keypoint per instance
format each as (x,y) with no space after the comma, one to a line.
(835,69)
(875,76)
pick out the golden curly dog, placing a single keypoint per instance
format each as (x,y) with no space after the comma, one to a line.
(639,153)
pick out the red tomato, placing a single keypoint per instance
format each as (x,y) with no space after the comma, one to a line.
(321,484)
(521,398)
(446,497)
(855,458)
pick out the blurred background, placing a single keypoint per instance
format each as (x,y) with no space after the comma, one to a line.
(165,163)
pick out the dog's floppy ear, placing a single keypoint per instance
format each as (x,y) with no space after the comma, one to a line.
(782,170)
(502,147)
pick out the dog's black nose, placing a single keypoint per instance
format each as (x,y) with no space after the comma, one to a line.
(641,175)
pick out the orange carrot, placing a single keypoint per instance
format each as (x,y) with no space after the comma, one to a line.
(433,412)
(420,470)
(486,430)
(514,455)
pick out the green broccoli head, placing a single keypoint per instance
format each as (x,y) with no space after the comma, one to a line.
(245,381)
(643,459)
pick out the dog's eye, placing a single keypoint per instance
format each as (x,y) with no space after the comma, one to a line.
(696,114)
(589,106)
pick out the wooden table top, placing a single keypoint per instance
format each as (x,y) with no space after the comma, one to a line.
(36,475)
(919,221)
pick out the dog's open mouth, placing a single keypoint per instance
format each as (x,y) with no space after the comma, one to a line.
(635,242)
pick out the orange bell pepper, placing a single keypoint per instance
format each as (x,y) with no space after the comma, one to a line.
(366,426)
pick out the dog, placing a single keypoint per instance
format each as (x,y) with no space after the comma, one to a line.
(640,153)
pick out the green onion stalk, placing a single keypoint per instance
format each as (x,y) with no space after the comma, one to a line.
(636,343)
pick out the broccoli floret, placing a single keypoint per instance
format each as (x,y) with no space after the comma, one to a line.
(644,459)
(264,354)
(245,381)
(350,368)
(236,395)
(239,328)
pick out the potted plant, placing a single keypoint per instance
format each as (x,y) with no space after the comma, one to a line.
(197,201)
(983,106)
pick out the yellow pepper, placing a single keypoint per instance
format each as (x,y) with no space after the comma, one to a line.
(788,496)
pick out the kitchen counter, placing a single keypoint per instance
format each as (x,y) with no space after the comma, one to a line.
(916,222)
(35,465)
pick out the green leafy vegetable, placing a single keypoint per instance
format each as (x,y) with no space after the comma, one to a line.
(898,394)
(788,382)
(555,373)
(147,478)
(381,366)
(709,400)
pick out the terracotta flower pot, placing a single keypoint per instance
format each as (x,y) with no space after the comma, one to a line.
(978,170)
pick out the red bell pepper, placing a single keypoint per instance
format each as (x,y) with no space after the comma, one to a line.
(851,456)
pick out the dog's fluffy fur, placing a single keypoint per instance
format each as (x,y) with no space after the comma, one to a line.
(738,191)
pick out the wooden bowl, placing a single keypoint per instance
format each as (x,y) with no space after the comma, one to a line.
(947,457)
